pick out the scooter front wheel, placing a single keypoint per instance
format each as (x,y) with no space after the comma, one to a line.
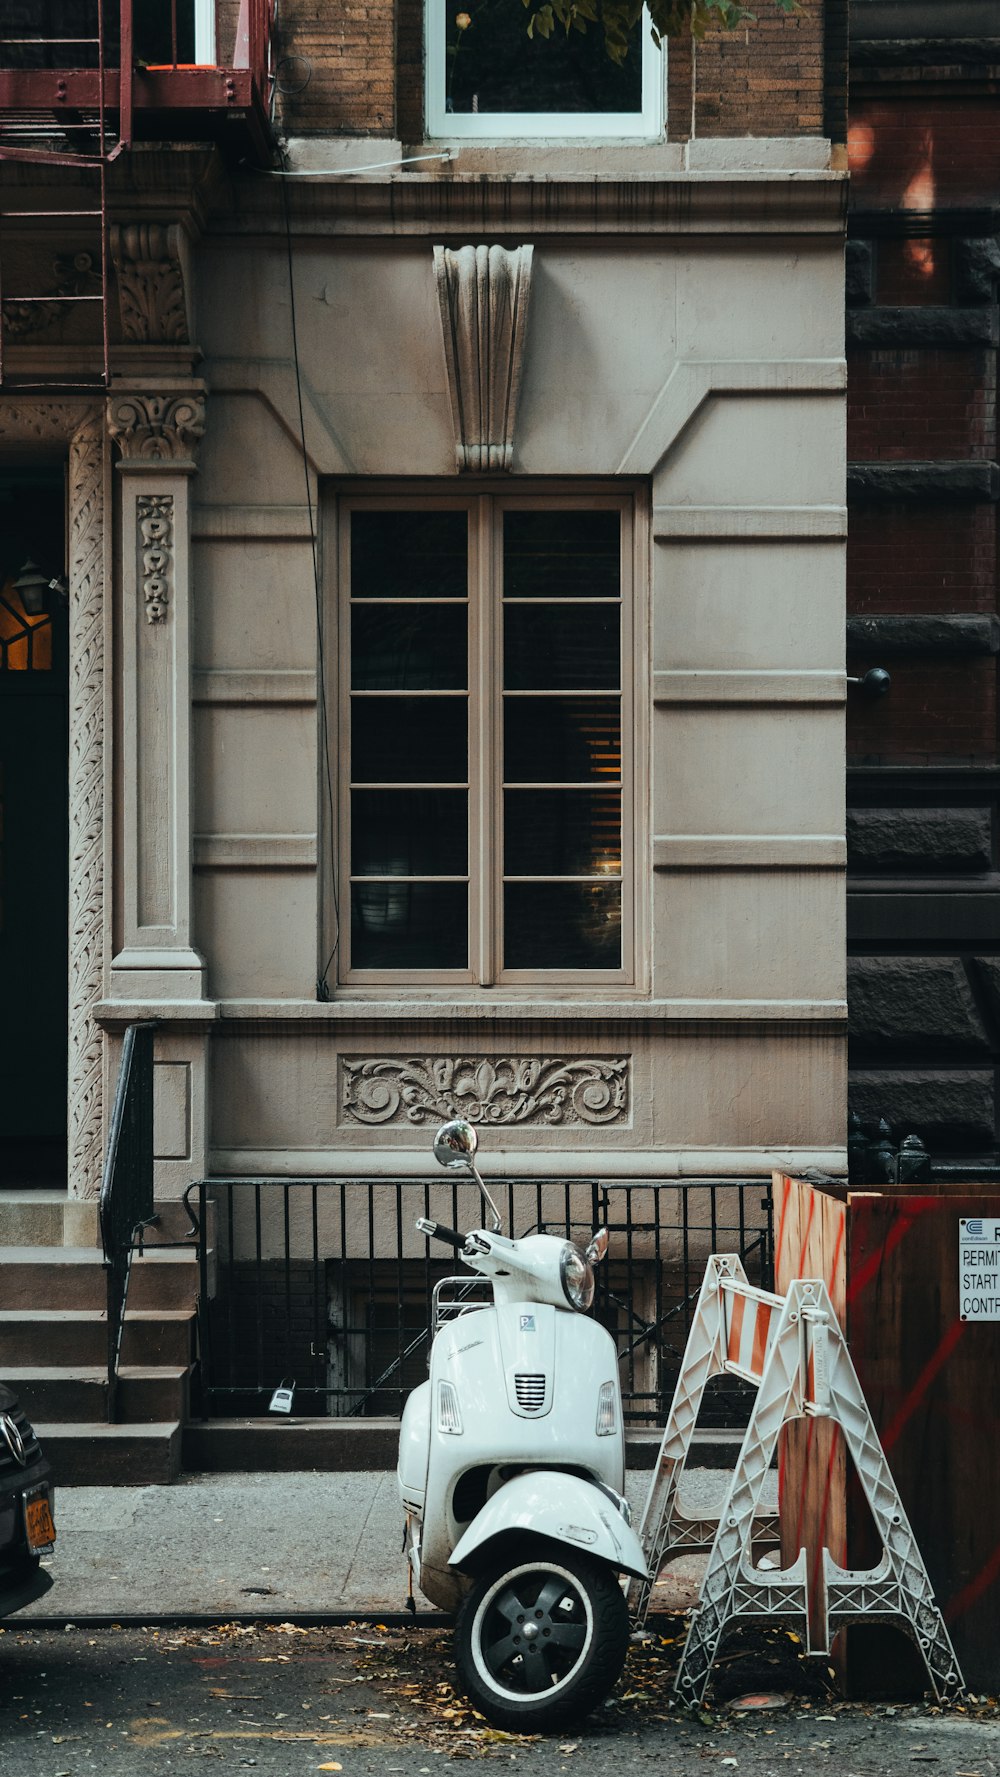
(541,1642)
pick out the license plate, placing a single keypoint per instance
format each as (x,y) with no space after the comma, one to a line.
(38,1520)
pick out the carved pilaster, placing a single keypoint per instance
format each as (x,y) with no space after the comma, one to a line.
(86,803)
(483,295)
(157,428)
(149,266)
(156,434)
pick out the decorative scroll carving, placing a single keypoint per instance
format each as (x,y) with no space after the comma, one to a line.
(150,283)
(483,293)
(502,1089)
(86,803)
(155,520)
(157,428)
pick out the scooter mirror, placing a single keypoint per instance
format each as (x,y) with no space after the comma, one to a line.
(455,1145)
(598,1246)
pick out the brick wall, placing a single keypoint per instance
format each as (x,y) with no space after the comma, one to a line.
(921,559)
(339,73)
(904,405)
(924,882)
(763,80)
(924,152)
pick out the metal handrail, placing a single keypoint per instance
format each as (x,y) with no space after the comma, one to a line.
(126,1204)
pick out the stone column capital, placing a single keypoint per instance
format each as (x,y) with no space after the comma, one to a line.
(162,429)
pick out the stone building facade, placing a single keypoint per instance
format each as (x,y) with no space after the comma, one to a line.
(606,369)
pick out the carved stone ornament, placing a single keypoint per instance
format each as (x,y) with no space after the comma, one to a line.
(483,293)
(508,1089)
(155,524)
(150,277)
(157,428)
(76,274)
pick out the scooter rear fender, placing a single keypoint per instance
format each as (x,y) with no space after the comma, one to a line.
(563,1509)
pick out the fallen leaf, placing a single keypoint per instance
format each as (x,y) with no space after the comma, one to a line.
(332,1766)
(569,1746)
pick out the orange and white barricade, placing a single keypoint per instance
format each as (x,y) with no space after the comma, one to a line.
(792,1349)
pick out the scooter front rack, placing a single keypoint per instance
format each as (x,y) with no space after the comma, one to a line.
(469,1294)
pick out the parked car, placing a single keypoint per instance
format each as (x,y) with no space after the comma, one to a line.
(27,1525)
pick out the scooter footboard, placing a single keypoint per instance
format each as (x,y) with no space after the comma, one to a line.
(563,1509)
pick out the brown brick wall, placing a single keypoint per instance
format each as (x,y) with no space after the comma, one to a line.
(924,152)
(906,406)
(340,68)
(921,560)
(765,79)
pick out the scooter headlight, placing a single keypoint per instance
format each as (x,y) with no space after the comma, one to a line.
(577,1278)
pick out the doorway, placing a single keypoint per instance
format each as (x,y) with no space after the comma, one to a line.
(34,828)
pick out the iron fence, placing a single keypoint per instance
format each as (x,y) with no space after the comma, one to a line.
(325,1285)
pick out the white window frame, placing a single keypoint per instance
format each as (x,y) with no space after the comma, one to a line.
(485,506)
(644,125)
(204,33)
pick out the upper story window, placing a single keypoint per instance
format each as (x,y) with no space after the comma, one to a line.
(486,732)
(486,78)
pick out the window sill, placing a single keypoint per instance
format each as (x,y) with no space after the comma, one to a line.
(496,1010)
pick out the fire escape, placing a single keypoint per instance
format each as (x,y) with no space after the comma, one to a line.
(82,81)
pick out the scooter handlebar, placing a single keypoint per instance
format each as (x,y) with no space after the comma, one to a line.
(440,1231)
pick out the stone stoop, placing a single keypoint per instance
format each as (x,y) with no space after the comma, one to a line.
(53,1345)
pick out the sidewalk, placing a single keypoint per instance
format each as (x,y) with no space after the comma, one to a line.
(260,1544)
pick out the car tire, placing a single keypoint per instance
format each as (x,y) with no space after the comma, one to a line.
(540,1642)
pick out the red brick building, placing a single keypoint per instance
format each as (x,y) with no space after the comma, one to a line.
(923,263)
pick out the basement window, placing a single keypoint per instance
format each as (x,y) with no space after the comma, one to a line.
(486,78)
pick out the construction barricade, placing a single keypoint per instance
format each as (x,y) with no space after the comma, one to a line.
(793,1350)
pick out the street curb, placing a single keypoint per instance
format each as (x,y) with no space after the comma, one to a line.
(269,1446)
(299,1619)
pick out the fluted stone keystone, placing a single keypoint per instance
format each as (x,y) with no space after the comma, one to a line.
(483,293)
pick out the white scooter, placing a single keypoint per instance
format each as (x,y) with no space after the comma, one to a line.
(511,1468)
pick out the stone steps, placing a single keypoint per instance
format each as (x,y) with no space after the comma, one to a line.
(73,1277)
(80,1393)
(111,1455)
(54,1340)
(67,1336)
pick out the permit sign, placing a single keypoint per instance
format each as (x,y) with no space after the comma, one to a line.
(979,1267)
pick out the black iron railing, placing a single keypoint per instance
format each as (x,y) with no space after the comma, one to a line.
(127,1186)
(324,1284)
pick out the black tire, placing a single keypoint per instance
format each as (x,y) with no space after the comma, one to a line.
(540,1642)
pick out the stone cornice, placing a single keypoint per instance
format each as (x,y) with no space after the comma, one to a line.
(449,205)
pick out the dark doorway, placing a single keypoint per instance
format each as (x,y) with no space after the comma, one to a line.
(34,823)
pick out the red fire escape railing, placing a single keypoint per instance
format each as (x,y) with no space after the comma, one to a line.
(78,102)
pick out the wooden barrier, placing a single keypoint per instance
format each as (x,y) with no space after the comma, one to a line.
(889,1258)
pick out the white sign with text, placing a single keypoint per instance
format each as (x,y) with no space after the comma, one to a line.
(979,1267)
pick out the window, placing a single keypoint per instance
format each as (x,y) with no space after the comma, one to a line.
(486,723)
(487,78)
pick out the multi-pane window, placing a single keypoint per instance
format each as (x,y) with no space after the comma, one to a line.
(486,726)
(487,78)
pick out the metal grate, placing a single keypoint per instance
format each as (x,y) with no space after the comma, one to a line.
(530,1391)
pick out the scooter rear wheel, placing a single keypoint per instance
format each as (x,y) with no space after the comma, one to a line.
(540,1642)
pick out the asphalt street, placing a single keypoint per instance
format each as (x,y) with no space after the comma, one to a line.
(287,1702)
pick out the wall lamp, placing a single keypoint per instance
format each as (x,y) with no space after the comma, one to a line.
(31,586)
(874,683)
